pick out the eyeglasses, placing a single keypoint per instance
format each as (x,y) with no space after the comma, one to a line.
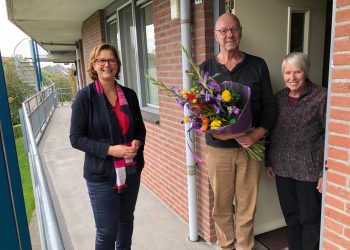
(102,62)
(224,31)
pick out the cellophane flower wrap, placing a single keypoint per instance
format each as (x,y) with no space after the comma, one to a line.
(214,107)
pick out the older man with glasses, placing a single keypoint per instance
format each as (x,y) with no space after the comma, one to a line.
(234,178)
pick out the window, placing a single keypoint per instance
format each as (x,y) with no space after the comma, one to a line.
(130,28)
(298,30)
(112,29)
(148,49)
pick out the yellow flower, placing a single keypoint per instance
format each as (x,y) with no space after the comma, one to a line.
(226,95)
(185,119)
(215,124)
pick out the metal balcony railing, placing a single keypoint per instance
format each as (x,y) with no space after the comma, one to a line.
(36,113)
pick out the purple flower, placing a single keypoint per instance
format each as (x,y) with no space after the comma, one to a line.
(218,98)
(175,90)
(207,96)
(206,75)
(230,110)
(214,86)
(217,109)
(179,102)
(236,111)
(195,123)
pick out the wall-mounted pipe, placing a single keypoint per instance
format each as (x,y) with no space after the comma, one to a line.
(190,160)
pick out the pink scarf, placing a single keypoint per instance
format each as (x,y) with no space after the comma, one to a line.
(121,111)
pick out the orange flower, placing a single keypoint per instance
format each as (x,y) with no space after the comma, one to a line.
(191,97)
(204,127)
(205,120)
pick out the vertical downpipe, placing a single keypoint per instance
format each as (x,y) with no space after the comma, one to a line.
(190,160)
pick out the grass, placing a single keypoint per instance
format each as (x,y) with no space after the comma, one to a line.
(26,178)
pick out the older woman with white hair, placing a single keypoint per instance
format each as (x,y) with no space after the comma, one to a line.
(295,153)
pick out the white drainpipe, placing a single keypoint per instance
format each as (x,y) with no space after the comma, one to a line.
(190,160)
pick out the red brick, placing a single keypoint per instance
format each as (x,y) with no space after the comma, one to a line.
(342,30)
(338,166)
(334,202)
(342,15)
(341,73)
(342,193)
(93,33)
(341,3)
(340,101)
(341,128)
(341,88)
(341,59)
(341,45)
(334,226)
(337,239)
(336,178)
(340,114)
(328,245)
(338,154)
(341,141)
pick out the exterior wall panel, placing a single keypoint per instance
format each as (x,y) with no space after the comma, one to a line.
(336,229)
(165,171)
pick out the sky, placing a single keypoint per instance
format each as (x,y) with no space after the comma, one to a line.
(11,36)
(9,33)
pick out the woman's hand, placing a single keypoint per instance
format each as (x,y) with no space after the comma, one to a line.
(122,151)
(136,144)
(117,151)
(269,171)
(319,185)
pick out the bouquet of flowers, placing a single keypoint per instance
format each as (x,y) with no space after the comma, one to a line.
(215,108)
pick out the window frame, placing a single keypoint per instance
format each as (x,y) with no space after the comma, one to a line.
(113,10)
(306,35)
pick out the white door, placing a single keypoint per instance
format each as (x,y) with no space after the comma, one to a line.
(266,32)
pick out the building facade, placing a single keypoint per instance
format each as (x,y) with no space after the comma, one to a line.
(149,41)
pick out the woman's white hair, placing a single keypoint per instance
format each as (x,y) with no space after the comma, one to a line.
(298,59)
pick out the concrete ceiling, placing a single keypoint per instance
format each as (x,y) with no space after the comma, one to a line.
(54,24)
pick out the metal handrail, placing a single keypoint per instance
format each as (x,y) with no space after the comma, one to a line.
(50,234)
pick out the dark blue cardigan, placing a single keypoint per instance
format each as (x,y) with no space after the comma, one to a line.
(89,132)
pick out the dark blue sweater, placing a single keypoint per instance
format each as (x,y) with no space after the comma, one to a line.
(89,132)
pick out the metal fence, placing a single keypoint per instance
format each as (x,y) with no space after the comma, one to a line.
(36,113)
(39,109)
(65,96)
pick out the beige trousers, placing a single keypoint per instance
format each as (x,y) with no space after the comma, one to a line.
(233,177)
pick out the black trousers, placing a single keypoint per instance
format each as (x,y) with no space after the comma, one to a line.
(301,206)
(114,213)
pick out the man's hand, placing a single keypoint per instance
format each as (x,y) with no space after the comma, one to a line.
(245,140)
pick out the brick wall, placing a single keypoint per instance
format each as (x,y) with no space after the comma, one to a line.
(336,229)
(165,172)
(92,33)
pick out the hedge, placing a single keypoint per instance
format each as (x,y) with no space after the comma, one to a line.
(17,131)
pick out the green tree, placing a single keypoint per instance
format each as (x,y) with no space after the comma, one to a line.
(73,81)
(63,78)
(17,91)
